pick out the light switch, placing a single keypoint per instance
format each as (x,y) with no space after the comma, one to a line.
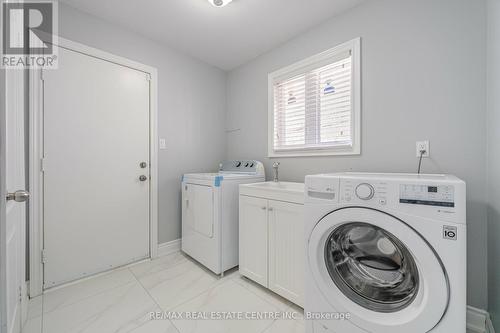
(163,143)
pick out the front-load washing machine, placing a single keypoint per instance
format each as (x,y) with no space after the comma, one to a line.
(385,253)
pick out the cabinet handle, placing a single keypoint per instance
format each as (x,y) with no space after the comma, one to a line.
(271,209)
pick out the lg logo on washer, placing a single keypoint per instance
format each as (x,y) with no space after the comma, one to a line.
(449,232)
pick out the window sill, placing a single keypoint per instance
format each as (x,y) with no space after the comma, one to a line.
(313,153)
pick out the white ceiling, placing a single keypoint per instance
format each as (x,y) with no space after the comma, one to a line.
(224,37)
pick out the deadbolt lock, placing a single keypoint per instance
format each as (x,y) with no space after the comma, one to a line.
(143,165)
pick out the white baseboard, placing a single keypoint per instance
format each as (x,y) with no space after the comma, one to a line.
(489,325)
(478,321)
(169,247)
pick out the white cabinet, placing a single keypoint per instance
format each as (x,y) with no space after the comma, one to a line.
(272,250)
(286,250)
(253,239)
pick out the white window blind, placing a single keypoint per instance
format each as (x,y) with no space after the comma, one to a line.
(313,107)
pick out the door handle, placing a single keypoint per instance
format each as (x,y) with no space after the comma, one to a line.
(143,178)
(18,196)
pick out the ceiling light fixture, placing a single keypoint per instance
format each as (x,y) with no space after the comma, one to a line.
(219,3)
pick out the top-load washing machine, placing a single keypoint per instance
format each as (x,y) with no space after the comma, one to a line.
(210,213)
(386,253)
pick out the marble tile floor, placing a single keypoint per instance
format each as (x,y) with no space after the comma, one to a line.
(122,302)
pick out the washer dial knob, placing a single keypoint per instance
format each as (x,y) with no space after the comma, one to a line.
(365,191)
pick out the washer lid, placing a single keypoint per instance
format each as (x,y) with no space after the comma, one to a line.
(377,268)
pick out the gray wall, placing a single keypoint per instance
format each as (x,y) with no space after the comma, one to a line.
(423,77)
(494,159)
(191,106)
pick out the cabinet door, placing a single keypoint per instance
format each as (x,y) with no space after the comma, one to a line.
(253,238)
(286,250)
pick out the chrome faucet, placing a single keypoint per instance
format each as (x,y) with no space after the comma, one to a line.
(275,167)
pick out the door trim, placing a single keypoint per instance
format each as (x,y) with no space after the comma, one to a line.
(3,191)
(35,157)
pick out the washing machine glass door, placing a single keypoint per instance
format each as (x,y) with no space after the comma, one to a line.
(379,269)
(371,267)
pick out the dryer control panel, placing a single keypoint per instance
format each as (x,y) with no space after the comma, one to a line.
(429,195)
(250,167)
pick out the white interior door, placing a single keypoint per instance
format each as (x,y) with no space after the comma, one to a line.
(14,230)
(96,135)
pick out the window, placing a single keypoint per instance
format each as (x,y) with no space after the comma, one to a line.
(314,105)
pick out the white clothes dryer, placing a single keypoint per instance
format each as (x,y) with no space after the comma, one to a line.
(210,213)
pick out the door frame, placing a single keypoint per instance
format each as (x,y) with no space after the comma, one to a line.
(3,191)
(23,304)
(36,226)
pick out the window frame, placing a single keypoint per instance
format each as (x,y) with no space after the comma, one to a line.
(303,66)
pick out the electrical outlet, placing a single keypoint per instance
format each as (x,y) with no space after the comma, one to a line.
(423,145)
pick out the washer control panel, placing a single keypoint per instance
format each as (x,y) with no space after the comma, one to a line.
(435,197)
(428,195)
(365,191)
(353,191)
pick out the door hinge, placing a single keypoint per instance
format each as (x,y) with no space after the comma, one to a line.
(43,165)
(20,294)
(44,256)
(148,77)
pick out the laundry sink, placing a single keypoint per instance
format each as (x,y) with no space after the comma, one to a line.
(285,186)
(282,191)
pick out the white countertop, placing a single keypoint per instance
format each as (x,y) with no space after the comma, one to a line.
(281,191)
